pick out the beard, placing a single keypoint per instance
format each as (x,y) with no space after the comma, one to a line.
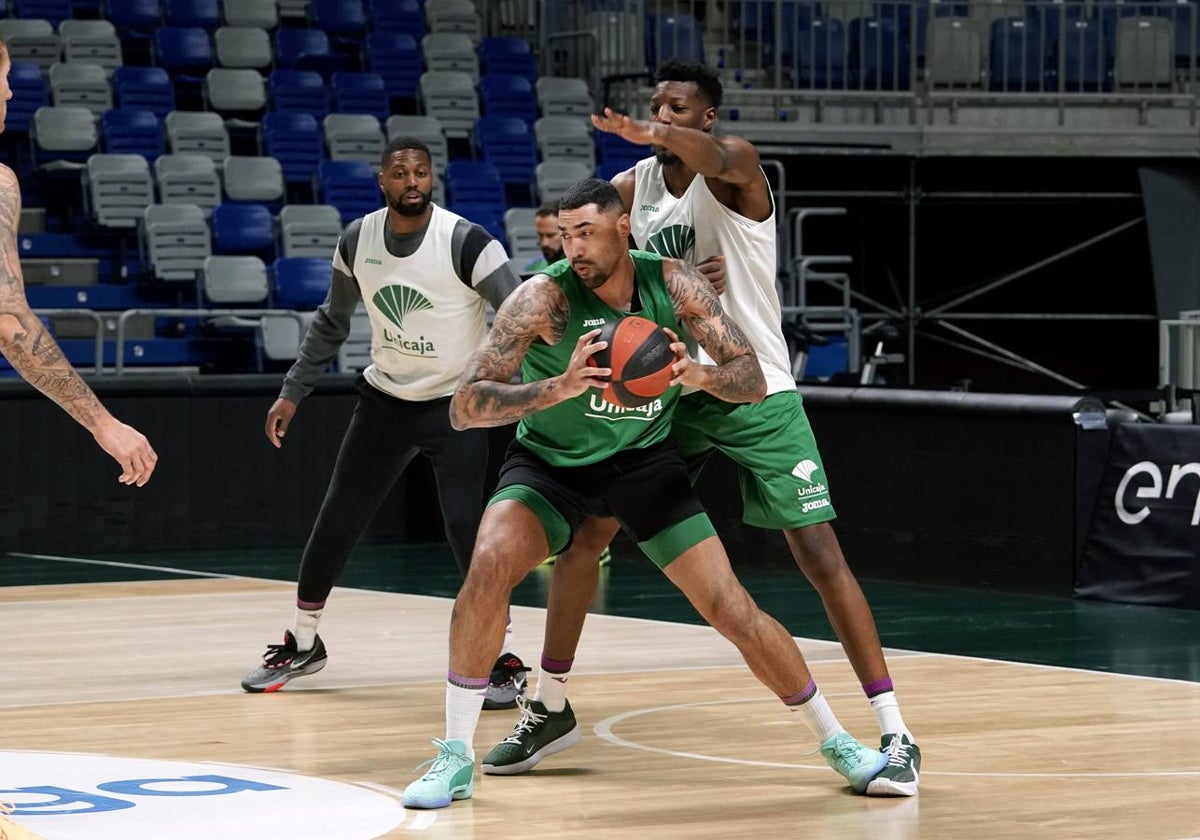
(403,209)
(553,255)
(664,155)
(595,278)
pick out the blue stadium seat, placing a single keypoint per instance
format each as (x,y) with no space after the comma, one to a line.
(608,169)
(338,17)
(301,283)
(295,140)
(1087,59)
(144,87)
(508,55)
(243,229)
(879,55)
(405,16)
(508,143)
(55,11)
(361,93)
(508,95)
(675,36)
(29,93)
(474,182)
(133,14)
(350,186)
(307,49)
(205,14)
(396,57)
(484,214)
(183,49)
(1016,57)
(816,54)
(133,131)
(616,149)
(300,91)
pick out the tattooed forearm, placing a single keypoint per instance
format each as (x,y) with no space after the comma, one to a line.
(737,376)
(486,394)
(34,354)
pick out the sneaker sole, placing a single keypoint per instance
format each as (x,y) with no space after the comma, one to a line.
(890,787)
(429,804)
(275,685)
(562,742)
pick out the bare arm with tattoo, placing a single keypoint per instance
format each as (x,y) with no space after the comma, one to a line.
(737,376)
(486,394)
(34,354)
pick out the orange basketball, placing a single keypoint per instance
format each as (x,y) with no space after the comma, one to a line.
(639,353)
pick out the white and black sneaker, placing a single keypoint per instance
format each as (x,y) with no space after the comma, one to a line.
(284,662)
(506,683)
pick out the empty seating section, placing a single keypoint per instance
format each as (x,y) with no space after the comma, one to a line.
(231,141)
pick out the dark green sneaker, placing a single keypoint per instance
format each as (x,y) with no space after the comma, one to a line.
(450,777)
(900,776)
(538,733)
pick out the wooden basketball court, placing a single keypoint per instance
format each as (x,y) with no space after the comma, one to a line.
(680,740)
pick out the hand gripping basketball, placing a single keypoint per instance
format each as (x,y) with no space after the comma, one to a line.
(640,356)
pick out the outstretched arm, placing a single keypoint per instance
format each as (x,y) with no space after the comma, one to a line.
(486,394)
(737,377)
(34,354)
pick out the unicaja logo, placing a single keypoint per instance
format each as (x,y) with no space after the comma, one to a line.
(1153,489)
(675,241)
(398,301)
(805,469)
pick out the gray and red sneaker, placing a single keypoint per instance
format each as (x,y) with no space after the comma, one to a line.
(284,662)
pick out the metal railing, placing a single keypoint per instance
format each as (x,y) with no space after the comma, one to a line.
(1179,360)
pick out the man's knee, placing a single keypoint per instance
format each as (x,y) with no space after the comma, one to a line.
(817,551)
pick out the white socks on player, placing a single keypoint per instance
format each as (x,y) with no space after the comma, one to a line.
(463,706)
(306,628)
(816,712)
(552,690)
(887,713)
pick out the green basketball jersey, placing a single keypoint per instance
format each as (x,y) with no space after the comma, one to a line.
(587,429)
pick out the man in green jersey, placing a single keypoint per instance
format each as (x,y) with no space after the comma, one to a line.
(573,460)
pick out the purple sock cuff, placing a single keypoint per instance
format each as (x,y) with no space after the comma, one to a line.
(466,682)
(883,686)
(309,605)
(556,666)
(802,696)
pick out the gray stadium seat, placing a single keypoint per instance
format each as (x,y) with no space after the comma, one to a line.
(260,13)
(63,129)
(519,231)
(453,16)
(954,52)
(355,352)
(253,178)
(188,179)
(451,97)
(565,138)
(81,85)
(243,47)
(119,189)
(563,96)
(279,336)
(92,42)
(309,230)
(198,132)
(234,281)
(235,91)
(31,40)
(175,241)
(553,177)
(450,51)
(1145,51)
(354,137)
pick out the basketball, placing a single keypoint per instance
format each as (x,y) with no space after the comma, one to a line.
(639,353)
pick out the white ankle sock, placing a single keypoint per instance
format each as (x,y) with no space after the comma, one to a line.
(552,690)
(306,628)
(463,706)
(887,713)
(819,716)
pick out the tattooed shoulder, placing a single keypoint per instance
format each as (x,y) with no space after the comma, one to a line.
(688,288)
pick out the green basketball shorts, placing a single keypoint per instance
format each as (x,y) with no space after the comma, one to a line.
(779,468)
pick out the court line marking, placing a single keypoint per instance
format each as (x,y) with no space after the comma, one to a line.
(891,652)
(604,728)
(140,566)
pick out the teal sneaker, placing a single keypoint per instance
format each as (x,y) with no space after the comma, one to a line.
(859,764)
(538,733)
(902,774)
(450,777)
